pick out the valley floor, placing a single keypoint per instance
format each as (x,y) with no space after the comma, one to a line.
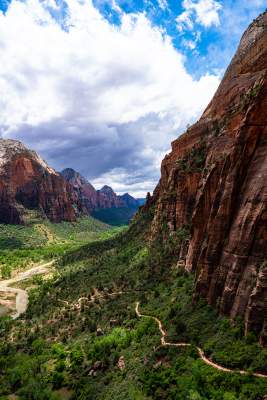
(85,334)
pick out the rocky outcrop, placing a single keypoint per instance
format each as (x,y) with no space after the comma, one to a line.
(213,189)
(27,182)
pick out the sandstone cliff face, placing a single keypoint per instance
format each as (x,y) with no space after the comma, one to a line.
(92,199)
(87,194)
(108,198)
(214,184)
(27,182)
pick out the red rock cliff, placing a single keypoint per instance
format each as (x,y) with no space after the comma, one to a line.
(27,182)
(90,198)
(214,182)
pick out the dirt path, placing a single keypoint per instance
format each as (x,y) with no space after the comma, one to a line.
(51,238)
(200,351)
(90,299)
(22,295)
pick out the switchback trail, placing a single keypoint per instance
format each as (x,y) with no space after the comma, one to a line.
(22,295)
(200,351)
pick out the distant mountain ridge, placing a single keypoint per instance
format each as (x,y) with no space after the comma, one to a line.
(29,185)
(103,204)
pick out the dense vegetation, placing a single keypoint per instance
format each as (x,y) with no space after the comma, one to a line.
(115,216)
(41,240)
(80,338)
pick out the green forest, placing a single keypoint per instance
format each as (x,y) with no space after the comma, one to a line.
(82,339)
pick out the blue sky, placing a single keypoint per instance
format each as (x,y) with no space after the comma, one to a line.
(215,43)
(104,86)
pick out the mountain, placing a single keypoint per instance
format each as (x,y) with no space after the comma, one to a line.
(117,320)
(28,183)
(85,191)
(212,195)
(141,201)
(103,204)
(129,201)
(108,198)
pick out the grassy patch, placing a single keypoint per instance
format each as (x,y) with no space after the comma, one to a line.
(21,245)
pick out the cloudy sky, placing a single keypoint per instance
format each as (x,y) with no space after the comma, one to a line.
(104,86)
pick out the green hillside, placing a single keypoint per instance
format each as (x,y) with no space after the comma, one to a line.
(114,216)
(81,337)
(41,240)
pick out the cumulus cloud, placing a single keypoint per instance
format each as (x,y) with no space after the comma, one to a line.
(104,99)
(204,12)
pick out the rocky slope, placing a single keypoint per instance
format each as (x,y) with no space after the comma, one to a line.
(92,199)
(212,194)
(27,182)
(85,191)
(108,198)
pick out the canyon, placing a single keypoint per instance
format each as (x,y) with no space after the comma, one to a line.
(214,186)
(28,183)
(172,307)
(92,199)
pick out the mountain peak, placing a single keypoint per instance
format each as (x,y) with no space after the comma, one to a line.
(10,149)
(107,189)
(69,172)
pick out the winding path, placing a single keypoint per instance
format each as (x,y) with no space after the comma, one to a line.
(22,304)
(200,351)
(21,294)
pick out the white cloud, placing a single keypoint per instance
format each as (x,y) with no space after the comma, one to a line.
(116,7)
(163,4)
(94,96)
(184,20)
(190,44)
(204,12)
(193,42)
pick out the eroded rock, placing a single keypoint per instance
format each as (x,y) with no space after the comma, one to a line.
(214,184)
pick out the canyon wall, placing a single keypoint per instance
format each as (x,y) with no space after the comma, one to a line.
(93,199)
(28,183)
(214,185)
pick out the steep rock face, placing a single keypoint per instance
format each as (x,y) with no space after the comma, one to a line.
(93,200)
(90,198)
(27,182)
(85,191)
(108,198)
(214,183)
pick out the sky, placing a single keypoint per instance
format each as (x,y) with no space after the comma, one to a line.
(104,86)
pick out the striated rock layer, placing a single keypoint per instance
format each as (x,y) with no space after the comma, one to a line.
(214,184)
(27,182)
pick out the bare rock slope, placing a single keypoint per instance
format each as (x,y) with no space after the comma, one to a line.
(27,182)
(214,185)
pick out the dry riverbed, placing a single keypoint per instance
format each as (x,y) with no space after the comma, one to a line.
(14,300)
